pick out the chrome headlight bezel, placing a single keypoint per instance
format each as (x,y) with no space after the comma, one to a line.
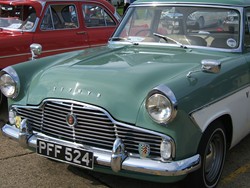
(161,105)
(9,83)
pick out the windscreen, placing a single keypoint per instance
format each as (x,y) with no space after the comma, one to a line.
(17,17)
(195,26)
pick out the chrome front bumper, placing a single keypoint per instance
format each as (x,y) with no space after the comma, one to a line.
(117,159)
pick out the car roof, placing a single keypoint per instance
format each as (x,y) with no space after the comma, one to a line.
(207,2)
(28,1)
(38,4)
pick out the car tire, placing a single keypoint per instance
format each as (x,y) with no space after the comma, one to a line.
(212,148)
(1,97)
(3,109)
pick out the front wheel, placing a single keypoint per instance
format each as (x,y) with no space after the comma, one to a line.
(3,108)
(212,148)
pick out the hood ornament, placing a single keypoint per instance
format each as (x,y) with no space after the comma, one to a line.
(77,91)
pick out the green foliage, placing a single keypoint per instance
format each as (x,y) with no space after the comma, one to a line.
(120,10)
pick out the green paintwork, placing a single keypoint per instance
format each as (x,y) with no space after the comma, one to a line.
(119,78)
(123,73)
(123,77)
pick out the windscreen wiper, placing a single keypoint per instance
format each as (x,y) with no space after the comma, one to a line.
(123,39)
(166,38)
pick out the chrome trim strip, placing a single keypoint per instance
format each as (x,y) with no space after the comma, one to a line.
(169,93)
(70,49)
(104,158)
(15,55)
(49,51)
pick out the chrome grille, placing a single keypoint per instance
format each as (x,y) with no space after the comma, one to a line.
(94,126)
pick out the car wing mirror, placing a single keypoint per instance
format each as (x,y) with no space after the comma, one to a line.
(208,66)
(36,50)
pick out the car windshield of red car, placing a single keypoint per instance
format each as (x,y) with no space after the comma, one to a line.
(17,17)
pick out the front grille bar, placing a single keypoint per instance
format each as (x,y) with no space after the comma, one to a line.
(95,127)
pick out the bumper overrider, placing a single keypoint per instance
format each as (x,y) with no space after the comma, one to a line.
(117,160)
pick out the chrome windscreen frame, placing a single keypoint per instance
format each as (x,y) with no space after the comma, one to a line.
(145,4)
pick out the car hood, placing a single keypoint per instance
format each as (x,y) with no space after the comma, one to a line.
(5,33)
(117,80)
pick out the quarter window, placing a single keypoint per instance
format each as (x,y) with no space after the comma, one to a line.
(96,16)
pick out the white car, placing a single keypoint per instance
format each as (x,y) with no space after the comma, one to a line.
(207,18)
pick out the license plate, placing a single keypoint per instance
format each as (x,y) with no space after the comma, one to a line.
(66,154)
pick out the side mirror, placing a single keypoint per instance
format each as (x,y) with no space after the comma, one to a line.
(36,49)
(210,66)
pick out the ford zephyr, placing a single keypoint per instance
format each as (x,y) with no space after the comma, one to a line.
(163,101)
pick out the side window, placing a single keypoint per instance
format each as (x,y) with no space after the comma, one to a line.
(96,16)
(247,29)
(69,16)
(219,27)
(60,17)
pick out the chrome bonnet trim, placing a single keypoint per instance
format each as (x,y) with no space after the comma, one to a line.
(104,157)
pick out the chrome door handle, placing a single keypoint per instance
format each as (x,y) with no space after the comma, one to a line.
(81,32)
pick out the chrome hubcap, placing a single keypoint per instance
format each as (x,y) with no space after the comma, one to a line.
(214,157)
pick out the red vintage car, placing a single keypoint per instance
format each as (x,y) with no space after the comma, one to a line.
(58,26)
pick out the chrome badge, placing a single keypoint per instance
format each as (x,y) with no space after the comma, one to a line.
(144,149)
(71,120)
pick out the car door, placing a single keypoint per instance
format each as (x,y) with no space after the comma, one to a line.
(99,22)
(60,28)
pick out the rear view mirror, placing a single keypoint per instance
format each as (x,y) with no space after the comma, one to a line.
(36,49)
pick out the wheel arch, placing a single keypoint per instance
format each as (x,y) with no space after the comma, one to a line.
(226,121)
(213,146)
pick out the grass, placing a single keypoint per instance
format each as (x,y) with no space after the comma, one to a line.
(120,10)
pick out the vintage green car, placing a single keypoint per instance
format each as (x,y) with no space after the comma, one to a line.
(163,101)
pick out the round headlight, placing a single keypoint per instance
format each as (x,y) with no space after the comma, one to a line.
(159,108)
(161,104)
(8,85)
